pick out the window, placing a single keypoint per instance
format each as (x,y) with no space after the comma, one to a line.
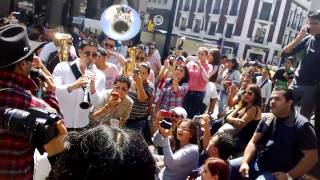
(165,1)
(216,7)
(159,1)
(212,28)
(197,26)
(260,34)
(186,5)
(265,11)
(183,25)
(201,6)
(289,19)
(285,39)
(234,8)
(229,31)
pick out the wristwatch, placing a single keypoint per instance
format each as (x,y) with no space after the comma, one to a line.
(288,176)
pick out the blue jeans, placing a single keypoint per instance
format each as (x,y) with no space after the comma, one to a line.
(223,100)
(254,171)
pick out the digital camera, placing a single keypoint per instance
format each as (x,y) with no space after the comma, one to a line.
(38,126)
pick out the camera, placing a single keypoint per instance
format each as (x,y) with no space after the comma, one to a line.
(35,74)
(136,71)
(38,126)
(166,124)
(197,118)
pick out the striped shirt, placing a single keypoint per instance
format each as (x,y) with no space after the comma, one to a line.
(168,98)
(139,109)
(16,154)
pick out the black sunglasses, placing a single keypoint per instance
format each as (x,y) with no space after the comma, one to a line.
(139,58)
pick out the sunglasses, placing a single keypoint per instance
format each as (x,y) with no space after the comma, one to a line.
(152,48)
(92,54)
(139,58)
(249,93)
(109,45)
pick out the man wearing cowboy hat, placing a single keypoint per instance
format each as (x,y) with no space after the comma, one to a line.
(17,91)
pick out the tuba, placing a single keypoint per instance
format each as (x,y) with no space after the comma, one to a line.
(65,42)
(120,22)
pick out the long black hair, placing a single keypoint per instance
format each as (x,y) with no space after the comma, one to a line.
(185,78)
(216,62)
(103,152)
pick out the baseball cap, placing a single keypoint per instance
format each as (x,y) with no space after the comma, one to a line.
(180,111)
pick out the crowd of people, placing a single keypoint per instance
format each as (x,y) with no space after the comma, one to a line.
(120,112)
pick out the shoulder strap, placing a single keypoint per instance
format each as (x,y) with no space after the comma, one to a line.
(77,74)
(265,81)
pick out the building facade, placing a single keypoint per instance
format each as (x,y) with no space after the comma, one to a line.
(248,29)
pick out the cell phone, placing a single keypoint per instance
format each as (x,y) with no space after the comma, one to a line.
(308,30)
(165,124)
(166,114)
(136,71)
(197,118)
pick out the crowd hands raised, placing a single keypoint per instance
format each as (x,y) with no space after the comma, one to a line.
(159,122)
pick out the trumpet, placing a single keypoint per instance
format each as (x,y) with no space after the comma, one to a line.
(65,44)
(130,66)
(85,104)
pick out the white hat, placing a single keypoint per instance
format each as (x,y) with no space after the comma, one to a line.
(180,111)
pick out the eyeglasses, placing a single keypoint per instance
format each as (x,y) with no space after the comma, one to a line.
(30,58)
(249,93)
(183,128)
(139,58)
(175,116)
(152,48)
(92,54)
(109,45)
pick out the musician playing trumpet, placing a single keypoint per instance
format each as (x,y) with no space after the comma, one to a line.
(72,81)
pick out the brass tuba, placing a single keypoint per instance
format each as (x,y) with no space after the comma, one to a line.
(65,42)
(120,22)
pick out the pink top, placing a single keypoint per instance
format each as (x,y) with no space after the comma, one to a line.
(198,76)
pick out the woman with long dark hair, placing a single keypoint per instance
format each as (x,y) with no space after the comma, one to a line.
(172,93)
(182,155)
(244,119)
(230,76)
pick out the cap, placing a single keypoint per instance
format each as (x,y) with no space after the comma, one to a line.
(180,111)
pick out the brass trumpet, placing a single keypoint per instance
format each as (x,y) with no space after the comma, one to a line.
(130,66)
(65,42)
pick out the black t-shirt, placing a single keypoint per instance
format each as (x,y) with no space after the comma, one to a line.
(307,73)
(283,147)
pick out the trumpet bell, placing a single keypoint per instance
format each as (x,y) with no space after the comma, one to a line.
(120,22)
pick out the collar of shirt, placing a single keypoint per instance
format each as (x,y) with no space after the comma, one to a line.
(13,80)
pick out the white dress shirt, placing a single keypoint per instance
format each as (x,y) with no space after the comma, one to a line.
(265,90)
(74,116)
